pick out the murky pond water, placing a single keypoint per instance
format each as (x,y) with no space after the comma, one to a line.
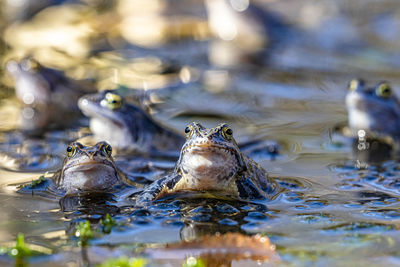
(334,208)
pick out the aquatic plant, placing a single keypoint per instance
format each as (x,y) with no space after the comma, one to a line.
(123,261)
(20,250)
(36,182)
(194,262)
(108,223)
(84,233)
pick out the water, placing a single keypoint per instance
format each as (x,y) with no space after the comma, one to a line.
(334,209)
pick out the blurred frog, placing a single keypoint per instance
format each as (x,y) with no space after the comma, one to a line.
(373,111)
(48,97)
(244,31)
(126,126)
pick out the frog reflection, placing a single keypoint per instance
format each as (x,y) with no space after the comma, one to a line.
(214,232)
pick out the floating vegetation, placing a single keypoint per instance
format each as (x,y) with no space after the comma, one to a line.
(124,261)
(42,179)
(39,181)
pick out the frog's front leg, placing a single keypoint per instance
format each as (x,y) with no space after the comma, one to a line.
(157,189)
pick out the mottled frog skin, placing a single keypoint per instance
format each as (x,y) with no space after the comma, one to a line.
(85,169)
(126,126)
(376,110)
(211,161)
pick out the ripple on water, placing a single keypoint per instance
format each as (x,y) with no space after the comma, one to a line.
(315,218)
(227,221)
(385,176)
(359,227)
(226,208)
(23,153)
(382,214)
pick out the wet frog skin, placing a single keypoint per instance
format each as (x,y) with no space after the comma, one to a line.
(85,169)
(376,110)
(126,126)
(210,161)
(88,168)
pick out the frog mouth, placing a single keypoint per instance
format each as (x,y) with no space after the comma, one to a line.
(90,166)
(213,152)
(209,147)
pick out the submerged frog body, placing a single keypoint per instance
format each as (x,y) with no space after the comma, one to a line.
(49,98)
(85,169)
(126,126)
(211,161)
(374,110)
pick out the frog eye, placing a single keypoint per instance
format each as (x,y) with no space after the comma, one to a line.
(227,133)
(108,149)
(71,150)
(384,90)
(188,130)
(113,101)
(30,64)
(353,85)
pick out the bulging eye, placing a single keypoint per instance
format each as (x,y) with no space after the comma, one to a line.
(108,149)
(354,84)
(227,133)
(384,90)
(113,101)
(189,131)
(71,150)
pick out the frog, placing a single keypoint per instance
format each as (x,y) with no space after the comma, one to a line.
(84,169)
(211,163)
(48,97)
(126,126)
(245,33)
(373,111)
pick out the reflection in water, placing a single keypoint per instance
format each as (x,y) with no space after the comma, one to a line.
(221,250)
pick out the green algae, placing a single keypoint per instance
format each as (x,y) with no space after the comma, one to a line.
(123,261)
